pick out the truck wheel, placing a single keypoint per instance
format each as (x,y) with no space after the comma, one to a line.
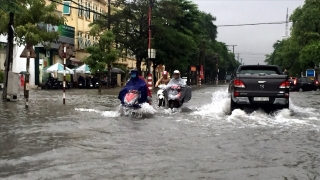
(233,106)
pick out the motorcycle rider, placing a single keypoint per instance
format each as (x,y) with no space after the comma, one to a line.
(136,83)
(176,80)
(164,80)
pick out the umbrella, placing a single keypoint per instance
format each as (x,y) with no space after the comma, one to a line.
(59,69)
(23,72)
(83,69)
(117,71)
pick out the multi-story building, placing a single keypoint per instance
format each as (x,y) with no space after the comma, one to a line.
(79,14)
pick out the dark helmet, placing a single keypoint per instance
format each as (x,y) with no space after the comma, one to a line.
(134,71)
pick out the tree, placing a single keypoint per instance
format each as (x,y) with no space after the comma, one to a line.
(301,50)
(28,15)
(102,53)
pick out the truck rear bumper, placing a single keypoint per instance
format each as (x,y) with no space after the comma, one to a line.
(246,101)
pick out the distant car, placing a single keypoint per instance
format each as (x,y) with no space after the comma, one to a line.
(303,84)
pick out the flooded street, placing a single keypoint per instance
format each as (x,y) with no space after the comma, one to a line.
(88,139)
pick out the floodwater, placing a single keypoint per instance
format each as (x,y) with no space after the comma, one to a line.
(88,139)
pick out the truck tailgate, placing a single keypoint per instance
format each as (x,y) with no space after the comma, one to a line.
(262,83)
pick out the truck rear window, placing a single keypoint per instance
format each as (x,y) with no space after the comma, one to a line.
(259,69)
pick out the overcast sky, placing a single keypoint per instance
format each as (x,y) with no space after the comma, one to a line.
(252,41)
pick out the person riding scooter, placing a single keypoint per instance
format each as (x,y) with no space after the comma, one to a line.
(164,80)
(135,83)
(176,80)
(184,90)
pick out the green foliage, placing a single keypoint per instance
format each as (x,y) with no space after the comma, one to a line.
(28,14)
(301,50)
(1,76)
(102,53)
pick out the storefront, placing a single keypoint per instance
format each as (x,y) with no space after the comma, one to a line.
(49,56)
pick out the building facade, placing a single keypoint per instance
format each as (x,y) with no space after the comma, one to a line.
(79,14)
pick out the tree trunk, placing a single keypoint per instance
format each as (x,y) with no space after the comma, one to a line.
(109,75)
(188,76)
(100,82)
(154,74)
(138,65)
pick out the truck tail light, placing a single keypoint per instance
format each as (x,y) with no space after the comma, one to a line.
(295,82)
(238,83)
(317,82)
(284,84)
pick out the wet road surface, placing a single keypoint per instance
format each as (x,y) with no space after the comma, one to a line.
(88,139)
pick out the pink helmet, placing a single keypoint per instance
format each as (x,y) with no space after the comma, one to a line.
(164,73)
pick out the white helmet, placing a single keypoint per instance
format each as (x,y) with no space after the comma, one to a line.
(176,72)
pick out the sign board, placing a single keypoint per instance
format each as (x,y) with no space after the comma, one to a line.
(310,73)
(67,34)
(69,51)
(201,72)
(28,48)
(193,68)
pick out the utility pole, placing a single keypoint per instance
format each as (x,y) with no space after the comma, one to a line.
(149,36)
(202,62)
(9,59)
(217,81)
(287,22)
(26,83)
(232,47)
(241,61)
(109,64)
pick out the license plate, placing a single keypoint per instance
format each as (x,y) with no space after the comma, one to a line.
(261,98)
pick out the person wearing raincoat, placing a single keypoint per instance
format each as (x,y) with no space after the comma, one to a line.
(186,91)
(135,83)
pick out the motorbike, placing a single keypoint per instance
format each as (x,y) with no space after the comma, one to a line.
(160,95)
(131,104)
(53,84)
(174,93)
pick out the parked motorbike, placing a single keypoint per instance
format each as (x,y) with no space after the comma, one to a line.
(174,93)
(160,95)
(131,103)
(53,83)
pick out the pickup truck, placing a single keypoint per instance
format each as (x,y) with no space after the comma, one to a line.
(259,86)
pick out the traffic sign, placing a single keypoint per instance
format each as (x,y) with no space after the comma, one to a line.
(310,73)
(69,52)
(28,48)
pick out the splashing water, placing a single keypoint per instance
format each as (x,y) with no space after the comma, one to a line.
(218,110)
(103,113)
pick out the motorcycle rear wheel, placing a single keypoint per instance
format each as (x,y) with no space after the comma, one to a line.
(160,102)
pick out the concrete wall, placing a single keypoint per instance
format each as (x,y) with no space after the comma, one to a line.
(19,64)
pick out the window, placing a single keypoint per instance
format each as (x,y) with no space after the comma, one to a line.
(259,69)
(66,7)
(88,9)
(80,10)
(81,44)
(95,15)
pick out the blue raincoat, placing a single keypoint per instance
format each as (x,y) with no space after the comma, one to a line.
(135,84)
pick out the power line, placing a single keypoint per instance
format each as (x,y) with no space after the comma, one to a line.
(252,24)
